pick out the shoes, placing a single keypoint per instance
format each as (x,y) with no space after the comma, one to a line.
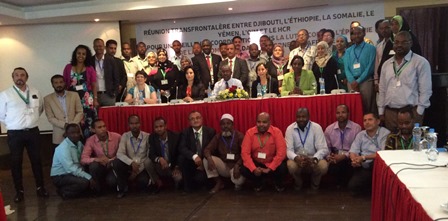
(258,189)
(219,186)
(238,187)
(19,196)
(121,195)
(41,192)
(279,188)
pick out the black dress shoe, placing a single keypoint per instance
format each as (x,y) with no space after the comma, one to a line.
(19,196)
(41,192)
(121,195)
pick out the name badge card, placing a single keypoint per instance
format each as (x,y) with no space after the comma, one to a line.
(356,65)
(164,82)
(230,156)
(339,71)
(391,52)
(261,155)
(398,83)
(79,87)
(280,77)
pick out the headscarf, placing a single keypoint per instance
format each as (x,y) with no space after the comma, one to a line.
(335,53)
(399,19)
(322,60)
(151,70)
(279,62)
(167,65)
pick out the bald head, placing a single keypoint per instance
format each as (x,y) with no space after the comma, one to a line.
(263,122)
(302,117)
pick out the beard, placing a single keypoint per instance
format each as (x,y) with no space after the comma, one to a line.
(226,134)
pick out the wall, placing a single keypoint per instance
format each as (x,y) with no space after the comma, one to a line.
(390,7)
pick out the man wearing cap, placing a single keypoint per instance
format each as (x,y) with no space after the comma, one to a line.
(226,159)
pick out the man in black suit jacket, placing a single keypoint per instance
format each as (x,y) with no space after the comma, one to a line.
(207,69)
(106,75)
(164,152)
(111,49)
(239,66)
(384,49)
(193,141)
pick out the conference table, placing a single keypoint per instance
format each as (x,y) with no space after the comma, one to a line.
(282,110)
(406,186)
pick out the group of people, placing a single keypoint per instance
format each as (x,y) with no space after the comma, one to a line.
(105,158)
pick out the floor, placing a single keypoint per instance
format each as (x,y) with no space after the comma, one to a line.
(328,204)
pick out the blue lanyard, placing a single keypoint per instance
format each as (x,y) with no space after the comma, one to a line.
(138,147)
(359,55)
(99,65)
(342,138)
(229,147)
(306,135)
(163,145)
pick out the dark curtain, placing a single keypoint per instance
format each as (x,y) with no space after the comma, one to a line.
(431,28)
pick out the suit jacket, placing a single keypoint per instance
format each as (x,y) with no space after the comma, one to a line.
(240,70)
(55,113)
(111,74)
(155,149)
(187,145)
(387,48)
(200,64)
(197,92)
(272,86)
(122,75)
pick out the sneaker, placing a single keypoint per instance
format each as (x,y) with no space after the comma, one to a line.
(19,196)
(41,192)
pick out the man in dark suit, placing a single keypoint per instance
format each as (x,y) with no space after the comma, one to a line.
(106,75)
(384,49)
(239,66)
(193,141)
(207,63)
(164,152)
(111,49)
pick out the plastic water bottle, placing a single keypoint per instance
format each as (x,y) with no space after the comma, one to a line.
(159,96)
(322,85)
(259,90)
(140,98)
(432,153)
(209,91)
(416,136)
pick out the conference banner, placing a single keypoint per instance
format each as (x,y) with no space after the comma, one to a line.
(281,26)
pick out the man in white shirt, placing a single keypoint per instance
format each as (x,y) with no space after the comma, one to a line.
(227,81)
(306,149)
(304,50)
(20,109)
(177,57)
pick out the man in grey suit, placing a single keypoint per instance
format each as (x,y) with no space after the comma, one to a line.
(62,108)
(239,66)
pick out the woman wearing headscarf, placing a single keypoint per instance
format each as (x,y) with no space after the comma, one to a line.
(166,77)
(152,67)
(398,23)
(325,67)
(338,55)
(277,67)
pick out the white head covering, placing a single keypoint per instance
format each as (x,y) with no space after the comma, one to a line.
(227,116)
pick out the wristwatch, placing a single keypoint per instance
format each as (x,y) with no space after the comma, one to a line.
(315,160)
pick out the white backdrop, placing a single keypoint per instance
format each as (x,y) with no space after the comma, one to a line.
(44,50)
(281,26)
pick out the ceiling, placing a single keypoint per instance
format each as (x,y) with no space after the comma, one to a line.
(20,12)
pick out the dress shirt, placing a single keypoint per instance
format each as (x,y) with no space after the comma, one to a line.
(131,68)
(199,137)
(99,68)
(141,63)
(415,84)
(66,160)
(341,139)
(220,146)
(176,60)
(15,113)
(397,142)
(243,55)
(93,148)
(313,141)
(131,148)
(221,85)
(364,145)
(62,100)
(274,147)
(364,55)
(308,54)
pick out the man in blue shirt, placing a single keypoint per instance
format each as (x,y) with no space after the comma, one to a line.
(359,62)
(66,172)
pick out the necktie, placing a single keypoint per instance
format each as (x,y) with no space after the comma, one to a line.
(198,144)
(230,64)
(208,61)
(227,85)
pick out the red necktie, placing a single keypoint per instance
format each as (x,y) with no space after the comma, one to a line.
(230,64)
(208,62)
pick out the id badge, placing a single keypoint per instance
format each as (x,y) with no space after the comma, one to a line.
(339,71)
(280,77)
(130,75)
(356,65)
(164,82)
(398,83)
(261,155)
(230,156)
(79,87)
(391,52)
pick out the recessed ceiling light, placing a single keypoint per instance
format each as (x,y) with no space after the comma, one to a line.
(230,9)
(96,19)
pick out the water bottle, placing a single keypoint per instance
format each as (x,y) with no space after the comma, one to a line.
(322,85)
(140,98)
(209,91)
(259,90)
(416,136)
(159,97)
(432,151)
